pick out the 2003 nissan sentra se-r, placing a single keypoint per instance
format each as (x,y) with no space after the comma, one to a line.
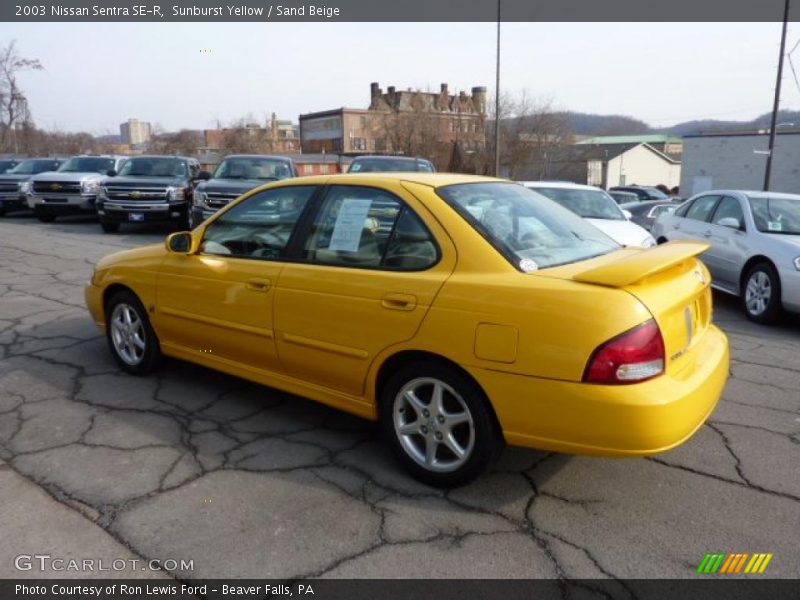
(461,312)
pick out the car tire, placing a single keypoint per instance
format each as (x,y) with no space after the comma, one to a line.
(424,442)
(131,338)
(109,227)
(761,294)
(45,218)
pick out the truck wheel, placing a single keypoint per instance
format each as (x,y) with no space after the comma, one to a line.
(45,218)
(109,227)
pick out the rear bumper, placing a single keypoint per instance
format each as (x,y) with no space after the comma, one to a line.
(626,420)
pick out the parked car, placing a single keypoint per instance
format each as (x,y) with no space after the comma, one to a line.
(382,164)
(597,207)
(234,176)
(621,197)
(72,190)
(15,184)
(643,192)
(644,214)
(6,164)
(455,335)
(755,246)
(149,189)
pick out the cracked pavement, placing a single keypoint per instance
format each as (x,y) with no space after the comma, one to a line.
(254,483)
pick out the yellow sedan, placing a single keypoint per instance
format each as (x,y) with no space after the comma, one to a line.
(461,312)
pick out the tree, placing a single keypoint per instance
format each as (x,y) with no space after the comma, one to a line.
(14,110)
(184,141)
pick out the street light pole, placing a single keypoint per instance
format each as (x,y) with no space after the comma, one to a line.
(497,101)
(776,105)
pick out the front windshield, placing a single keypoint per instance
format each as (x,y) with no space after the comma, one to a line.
(148,166)
(590,204)
(528,229)
(776,215)
(87,164)
(267,169)
(390,165)
(5,165)
(32,167)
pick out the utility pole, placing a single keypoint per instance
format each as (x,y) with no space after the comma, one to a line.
(776,105)
(497,100)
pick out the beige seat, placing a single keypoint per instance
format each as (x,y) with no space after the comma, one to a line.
(367,254)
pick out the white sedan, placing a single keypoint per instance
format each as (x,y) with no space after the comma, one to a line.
(597,207)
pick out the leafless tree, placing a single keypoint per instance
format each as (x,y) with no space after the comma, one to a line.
(184,141)
(14,110)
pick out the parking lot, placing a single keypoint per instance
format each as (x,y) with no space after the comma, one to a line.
(245,481)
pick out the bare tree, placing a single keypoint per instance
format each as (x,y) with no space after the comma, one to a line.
(414,130)
(14,111)
(184,141)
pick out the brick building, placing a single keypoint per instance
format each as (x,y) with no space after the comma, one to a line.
(278,136)
(400,122)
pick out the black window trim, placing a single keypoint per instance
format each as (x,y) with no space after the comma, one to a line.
(743,224)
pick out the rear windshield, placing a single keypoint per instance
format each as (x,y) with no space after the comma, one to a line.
(154,167)
(375,165)
(87,164)
(530,230)
(590,204)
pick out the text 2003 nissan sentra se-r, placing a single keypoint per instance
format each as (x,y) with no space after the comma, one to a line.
(461,312)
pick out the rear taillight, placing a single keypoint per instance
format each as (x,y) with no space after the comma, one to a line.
(632,357)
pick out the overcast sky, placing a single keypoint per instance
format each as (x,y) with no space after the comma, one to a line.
(97,75)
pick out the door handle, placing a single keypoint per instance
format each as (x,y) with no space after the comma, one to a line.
(258,285)
(707,233)
(676,226)
(399,301)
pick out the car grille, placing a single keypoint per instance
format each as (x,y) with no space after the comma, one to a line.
(136,192)
(7,188)
(57,187)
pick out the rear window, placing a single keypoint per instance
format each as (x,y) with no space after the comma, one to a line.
(385,165)
(530,230)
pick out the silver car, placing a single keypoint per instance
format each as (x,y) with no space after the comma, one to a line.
(755,245)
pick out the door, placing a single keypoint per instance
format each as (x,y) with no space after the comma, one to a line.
(728,251)
(368,269)
(219,301)
(691,224)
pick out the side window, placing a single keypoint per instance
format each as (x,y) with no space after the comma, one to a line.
(259,227)
(700,210)
(367,227)
(194,170)
(729,207)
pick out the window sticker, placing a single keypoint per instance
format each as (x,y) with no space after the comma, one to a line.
(528,265)
(349,225)
(774,226)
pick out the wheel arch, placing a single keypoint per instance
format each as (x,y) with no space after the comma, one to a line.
(114,288)
(749,264)
(407,357)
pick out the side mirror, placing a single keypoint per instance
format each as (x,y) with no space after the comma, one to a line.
(179,243)
(627,214)
(111,173)
(203,176)
(731,222)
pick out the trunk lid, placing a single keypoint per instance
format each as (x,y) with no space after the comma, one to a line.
(668,279)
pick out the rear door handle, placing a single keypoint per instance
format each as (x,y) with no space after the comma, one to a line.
(258,285)
(399,301)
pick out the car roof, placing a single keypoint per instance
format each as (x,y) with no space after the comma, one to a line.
(433,180)
(567,185)
(648,203)
(162,156)
(275,156)
(753,194)
(391,157)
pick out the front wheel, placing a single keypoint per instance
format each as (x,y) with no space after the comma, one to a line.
(109,227)
(45,218)
(131,338)
(439,424)
(762,294)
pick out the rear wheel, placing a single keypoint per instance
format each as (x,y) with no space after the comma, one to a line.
(761,296)
(109,227)
(131,338)
(439,424)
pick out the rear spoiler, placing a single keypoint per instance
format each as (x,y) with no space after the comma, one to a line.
(630,269)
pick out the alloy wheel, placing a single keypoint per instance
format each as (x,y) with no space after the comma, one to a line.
(758,293)
(127,334)
(433,424)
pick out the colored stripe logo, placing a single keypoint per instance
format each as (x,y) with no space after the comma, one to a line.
(734,563)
